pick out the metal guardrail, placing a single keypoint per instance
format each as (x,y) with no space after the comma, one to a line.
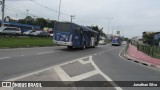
(150,50)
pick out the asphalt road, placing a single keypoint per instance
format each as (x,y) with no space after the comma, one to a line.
(16,62)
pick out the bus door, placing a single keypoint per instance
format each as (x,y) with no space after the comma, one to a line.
(92,39)
(78,36)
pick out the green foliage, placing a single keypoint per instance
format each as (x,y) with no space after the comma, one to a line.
(125,39)
(41,22)
(38,21)
(21,21)
(107,40)
(148,38)
(100,30)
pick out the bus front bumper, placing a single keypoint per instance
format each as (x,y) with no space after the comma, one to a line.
(63,43)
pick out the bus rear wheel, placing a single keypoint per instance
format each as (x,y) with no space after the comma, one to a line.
(84,47)
(70,47)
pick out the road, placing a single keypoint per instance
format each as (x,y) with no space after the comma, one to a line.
(16,62)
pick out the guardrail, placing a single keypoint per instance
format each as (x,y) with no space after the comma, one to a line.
(149,50)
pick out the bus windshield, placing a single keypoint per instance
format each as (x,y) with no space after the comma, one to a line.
(63,27)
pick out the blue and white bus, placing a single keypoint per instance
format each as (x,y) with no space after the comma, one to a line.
(116,40)
(74,36)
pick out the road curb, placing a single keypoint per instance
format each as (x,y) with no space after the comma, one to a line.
(128,57)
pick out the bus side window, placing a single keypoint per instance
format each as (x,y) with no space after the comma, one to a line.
(78,31)
(81,30)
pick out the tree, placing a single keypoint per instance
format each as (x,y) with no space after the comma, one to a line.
(21,21)
(100,30)
(7,18)
(148,38)
(41,22)
(29,20)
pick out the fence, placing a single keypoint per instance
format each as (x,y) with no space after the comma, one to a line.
(151,51)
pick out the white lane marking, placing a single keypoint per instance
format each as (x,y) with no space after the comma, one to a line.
(48,68)
(45,52)
(62,74)
(72,61)
(94,54)
(85,75)
(22,55)
(27,48)
(65,77)
(83,62)
(6,88)
(39,71)
(4,58)
(104,75)
(29,74)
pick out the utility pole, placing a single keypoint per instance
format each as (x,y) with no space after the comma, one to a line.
(59,10)
(109,20)
(27,15)
(72,17)
(27,11)
(3,6)
(112,30)
(16,16)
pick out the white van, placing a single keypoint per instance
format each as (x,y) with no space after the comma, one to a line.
(10,30)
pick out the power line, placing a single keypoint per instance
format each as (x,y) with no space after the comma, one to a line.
(19,11)
(48,8)
(12,4)
(39,4)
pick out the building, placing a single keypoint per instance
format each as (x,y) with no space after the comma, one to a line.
(157,38)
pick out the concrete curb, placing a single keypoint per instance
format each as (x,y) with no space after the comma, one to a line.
(140,61)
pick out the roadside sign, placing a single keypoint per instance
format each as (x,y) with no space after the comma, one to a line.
(118,32)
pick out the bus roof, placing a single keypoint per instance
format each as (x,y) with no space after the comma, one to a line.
(89,29)
(83,27)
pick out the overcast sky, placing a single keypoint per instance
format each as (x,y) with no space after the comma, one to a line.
(132,16)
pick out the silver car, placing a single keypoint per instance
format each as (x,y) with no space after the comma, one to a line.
(10,30)
(28,32)
(39,33)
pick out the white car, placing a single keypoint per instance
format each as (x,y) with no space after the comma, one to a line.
(124,42)
(28,32)
(102,42)
(39,33)
(10,30)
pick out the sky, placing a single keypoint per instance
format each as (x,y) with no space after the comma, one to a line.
(131,17)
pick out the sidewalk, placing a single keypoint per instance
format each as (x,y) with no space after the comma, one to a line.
(134,54)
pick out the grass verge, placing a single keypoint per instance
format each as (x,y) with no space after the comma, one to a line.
(16,42)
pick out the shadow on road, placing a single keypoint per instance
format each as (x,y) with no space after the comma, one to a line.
(75,49)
